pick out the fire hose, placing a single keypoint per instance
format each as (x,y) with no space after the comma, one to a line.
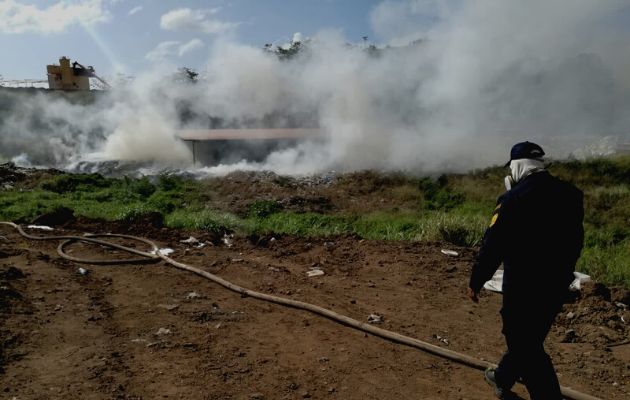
(155,255)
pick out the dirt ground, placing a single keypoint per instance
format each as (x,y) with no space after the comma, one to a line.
(151,331)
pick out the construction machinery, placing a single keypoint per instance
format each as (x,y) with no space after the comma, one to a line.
(75,76)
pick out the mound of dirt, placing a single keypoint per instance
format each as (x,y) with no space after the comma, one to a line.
(10,174)
(594,318)
(58,217)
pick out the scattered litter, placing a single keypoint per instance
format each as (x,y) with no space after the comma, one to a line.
(623,320)
(580,278)
(193,295)
(621,305)
(570,315)
(329,245)
(193,241)
(273,239)
(138,340)
(315,272)
(169,307)
(227,240)
(375,319)
(163,331)
(40,227)
(495,284)
(237,260)
(451,253)
(441,339)
(190,240)
(83,271)
(165,251)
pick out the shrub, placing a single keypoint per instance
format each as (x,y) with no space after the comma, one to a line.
(263,208)
(141,187)
(68,183)
(437,195)
(169,183)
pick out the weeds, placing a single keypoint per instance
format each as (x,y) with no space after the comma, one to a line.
(206,220)
(438,196)
(453,208)
(263,208)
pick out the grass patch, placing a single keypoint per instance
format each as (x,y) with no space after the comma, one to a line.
(459,229)
(206,220)
(300,224)
(263,208)
(453,208)
(609,264)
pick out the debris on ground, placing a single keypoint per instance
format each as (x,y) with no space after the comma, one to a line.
(165,251)
(169,307)
(83,271)
(227,240)
(451,253)
(495,284)
(163,331)
(40,227)
(193,296)
(580,279)
(190,240)
(375,319)
(441,339)
(315,272)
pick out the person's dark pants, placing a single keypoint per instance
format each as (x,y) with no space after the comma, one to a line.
(525,328)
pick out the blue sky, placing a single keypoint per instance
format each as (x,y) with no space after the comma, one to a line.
(133,34)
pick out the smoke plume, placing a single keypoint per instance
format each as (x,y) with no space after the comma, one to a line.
(453,85)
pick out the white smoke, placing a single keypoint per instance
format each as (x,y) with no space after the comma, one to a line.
(458,83)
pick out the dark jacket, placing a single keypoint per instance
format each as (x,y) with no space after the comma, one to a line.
(536,231)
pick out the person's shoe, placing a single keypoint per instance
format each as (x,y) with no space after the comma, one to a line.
(501,393)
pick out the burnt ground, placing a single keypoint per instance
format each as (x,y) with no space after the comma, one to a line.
(151,331)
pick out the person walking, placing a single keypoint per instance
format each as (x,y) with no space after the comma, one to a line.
(536,232)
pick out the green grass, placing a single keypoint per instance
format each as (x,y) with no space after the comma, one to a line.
(453,208)
(608,264)
(206,220)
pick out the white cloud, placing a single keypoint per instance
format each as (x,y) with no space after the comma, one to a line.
(135,10)
(16,17)
(193,45)
(163,50)
(186,19)
(172,48)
